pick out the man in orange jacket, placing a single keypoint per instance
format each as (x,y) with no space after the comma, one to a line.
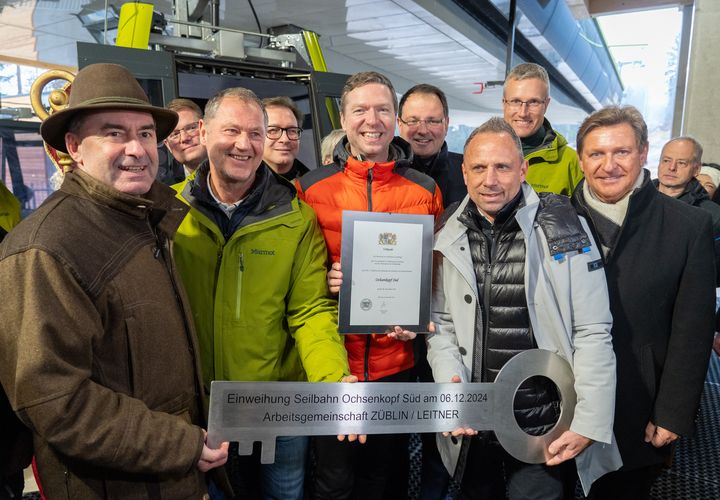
(371,172)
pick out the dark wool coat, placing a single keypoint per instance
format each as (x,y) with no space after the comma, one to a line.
(98,353)
(696,196)
(660,276)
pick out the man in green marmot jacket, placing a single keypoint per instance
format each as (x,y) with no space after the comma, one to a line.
(253,260)
(552,165)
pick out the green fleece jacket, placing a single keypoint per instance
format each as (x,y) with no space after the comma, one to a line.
(259,297)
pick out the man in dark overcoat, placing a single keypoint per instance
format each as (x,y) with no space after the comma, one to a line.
(659,263)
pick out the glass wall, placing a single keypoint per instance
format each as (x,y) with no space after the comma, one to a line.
(648,63)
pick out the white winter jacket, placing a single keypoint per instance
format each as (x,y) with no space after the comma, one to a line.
(570,315)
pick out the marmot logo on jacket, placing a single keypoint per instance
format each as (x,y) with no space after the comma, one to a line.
(258,251)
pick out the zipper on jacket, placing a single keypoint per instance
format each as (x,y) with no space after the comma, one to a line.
(487,285)
(366,361)
(238,294)
(369,189)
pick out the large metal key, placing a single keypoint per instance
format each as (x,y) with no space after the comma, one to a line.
(261,411)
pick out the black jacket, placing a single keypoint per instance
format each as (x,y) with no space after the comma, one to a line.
(297,170)
(660,276)
(498,256)
(446,169)
(696,196)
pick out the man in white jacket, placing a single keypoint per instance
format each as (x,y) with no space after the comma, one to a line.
(517,271)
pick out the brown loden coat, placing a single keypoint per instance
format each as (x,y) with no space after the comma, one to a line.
(98,354)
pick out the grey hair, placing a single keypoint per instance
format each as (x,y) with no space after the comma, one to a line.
(496,125)
(243,94)
(697,147)
(526,71)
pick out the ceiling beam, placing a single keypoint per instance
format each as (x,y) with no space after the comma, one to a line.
(487,15)
(604,7)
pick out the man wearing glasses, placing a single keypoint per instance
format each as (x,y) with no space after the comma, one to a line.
(553,165)
(423,122)
(184,142)
(282,139)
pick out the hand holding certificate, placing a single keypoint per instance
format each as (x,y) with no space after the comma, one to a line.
(387,271)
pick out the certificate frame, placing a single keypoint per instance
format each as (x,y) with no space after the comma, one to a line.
(420,229)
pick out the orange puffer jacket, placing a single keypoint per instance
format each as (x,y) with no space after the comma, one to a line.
(350,184)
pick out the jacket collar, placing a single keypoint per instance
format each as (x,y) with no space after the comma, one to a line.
(158,205)
(271,194)
(267,190)
(431,163)
(298,169)
(454,229)
(400,155)
(549,137)
(639,198)
(693,193)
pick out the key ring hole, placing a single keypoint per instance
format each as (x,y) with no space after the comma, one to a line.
(536,405)
(528,364)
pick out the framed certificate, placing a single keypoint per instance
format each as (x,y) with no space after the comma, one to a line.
(387,272)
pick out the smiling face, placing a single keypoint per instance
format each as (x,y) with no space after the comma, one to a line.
(527,117)
(612,161)
(184,141)
(280,153)
(118,148)
(234,138)
(368,119)
(493,171)
(428,135)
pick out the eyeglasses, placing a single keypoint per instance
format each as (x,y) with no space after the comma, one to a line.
(191,130)
(429,123)
(531,104)
(293,133)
